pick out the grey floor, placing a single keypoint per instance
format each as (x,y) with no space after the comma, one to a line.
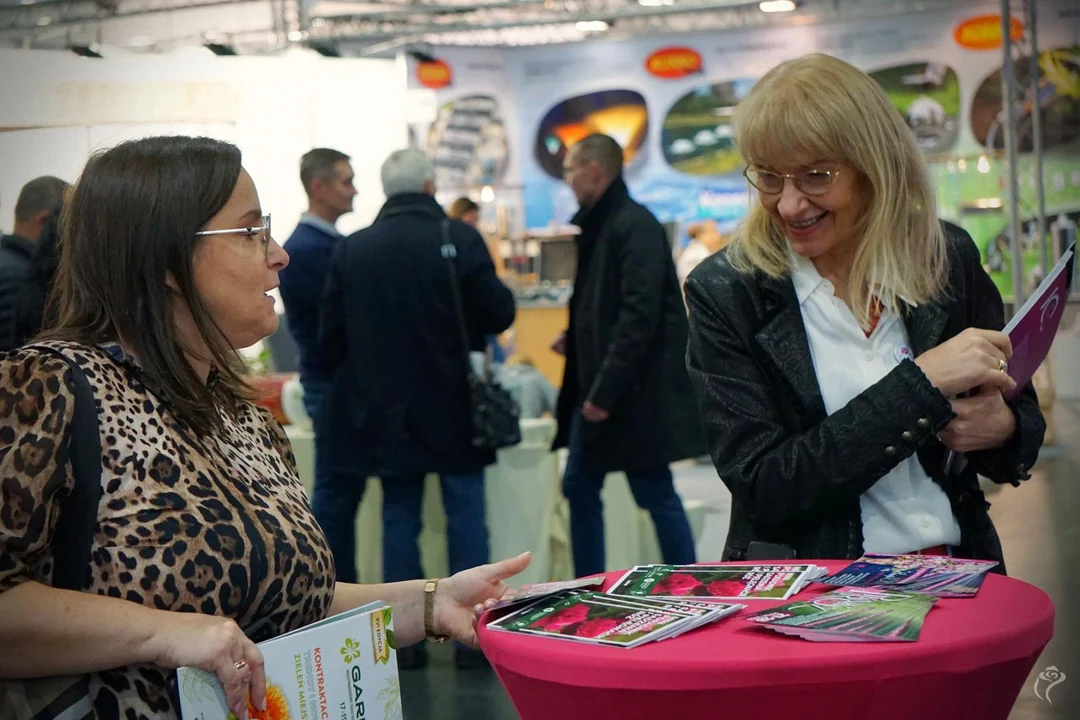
(1039,529)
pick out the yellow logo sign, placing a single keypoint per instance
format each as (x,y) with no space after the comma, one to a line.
(381,635)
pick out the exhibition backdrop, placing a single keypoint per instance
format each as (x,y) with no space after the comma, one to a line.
(505,119)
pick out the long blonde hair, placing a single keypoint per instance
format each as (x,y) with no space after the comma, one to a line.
(824,108)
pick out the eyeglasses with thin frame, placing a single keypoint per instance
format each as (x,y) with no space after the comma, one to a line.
(811,182)
(249,231)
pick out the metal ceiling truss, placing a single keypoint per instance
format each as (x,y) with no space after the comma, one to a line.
(47,14)
(498,16)
(495,23)
(381,26)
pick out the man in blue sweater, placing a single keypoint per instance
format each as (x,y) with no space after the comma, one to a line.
(327,177)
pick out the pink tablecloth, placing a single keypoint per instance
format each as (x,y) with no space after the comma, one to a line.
(970,661)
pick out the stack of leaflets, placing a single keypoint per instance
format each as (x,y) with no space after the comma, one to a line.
(602,619)
(528,593)
(945,577)
(852,614)
(717,582)
(343,666)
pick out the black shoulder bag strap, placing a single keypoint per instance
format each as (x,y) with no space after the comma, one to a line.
(73,537)
(450,252)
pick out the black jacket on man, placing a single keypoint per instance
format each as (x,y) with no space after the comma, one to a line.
(15,255)
(795,474)
(626,344)
(399,402)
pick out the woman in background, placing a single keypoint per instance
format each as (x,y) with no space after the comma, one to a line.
(705,240)
(465,210)
(468,212)
(847,340)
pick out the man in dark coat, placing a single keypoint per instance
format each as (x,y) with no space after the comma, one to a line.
(626,402)
(38,200)
(399,405)
(327,177)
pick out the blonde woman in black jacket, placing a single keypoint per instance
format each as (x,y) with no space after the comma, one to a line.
(848,340)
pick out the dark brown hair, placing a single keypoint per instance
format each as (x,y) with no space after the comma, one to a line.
(130,222)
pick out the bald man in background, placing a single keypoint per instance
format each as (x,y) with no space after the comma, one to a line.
(626,402)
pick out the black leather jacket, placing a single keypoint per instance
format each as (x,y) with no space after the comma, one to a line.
(795,473)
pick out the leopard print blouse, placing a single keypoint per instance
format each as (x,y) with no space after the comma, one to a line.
(214,524)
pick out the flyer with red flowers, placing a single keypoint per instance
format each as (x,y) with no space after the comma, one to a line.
(527,593)
(721,582)
(601,619)
(851,614)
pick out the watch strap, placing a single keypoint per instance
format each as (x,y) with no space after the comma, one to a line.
(429,612)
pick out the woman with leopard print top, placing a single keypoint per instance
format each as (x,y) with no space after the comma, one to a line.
(203,530)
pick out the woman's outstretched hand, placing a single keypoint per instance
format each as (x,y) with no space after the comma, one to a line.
(460,597)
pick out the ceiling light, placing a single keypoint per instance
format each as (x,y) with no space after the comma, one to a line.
(777,6)
(592,26)
(297,35)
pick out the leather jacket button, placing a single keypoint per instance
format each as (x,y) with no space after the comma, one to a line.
(907,436)
(923,423)
(890,451)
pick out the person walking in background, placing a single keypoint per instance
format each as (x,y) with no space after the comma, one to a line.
(38,200)
(847,339)
(626,402)
(468,212)
(705,240)
(33,287)
(399,402)
(327,177)
(465,210)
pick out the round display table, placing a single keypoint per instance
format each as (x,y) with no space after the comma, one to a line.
(970,661)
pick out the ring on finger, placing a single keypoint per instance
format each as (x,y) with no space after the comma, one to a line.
(1003,366)
(240,665)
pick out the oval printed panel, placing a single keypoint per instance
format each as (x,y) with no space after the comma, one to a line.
(1058,95)
(697,136)
(622,114)
(927,94)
